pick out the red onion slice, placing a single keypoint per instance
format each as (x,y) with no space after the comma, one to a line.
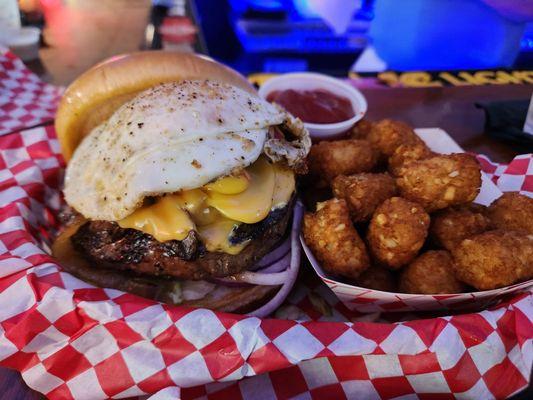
(292,270)
(272,275)
(280,265)
(258,278)
(274,255)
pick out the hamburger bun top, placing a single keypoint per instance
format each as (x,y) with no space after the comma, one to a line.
(98,93)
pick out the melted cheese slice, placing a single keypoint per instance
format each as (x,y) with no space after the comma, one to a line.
(253,204)
(217,208)
(215,236)
(164,220)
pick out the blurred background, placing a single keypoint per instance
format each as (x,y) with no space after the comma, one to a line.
(338,37)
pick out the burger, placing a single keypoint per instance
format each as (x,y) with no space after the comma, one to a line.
(180,183)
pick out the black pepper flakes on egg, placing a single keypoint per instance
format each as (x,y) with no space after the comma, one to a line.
(196,164)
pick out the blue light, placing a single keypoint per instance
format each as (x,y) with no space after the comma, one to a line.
(443,34)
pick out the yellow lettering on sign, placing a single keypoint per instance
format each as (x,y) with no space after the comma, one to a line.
(471,79)
(524,76)
(418,79)
(452,79)
(389,78)
(487,78)
(505,77)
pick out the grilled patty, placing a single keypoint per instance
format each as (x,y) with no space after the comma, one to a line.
(110,246)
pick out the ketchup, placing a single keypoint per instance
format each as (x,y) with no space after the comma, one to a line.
(314,106)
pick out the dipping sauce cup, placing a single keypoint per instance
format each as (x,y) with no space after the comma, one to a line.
(324,90)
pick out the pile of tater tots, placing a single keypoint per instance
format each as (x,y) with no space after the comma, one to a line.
(387,213)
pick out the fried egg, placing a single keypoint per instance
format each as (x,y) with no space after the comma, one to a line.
(172,137)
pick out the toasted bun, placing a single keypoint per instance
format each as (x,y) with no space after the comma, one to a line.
(227,299)
(96,94)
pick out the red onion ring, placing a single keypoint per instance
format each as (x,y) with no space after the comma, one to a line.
(259,278)
(271,275)
(281,265)
(292,270)
(274,255)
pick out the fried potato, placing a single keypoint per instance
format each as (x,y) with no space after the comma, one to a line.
(512,211)
(343,157)
(377,278)
(441,181)
(361,129)
(363,192)
(387,135)
(406,153)
(431,273)
(451,226)
(397,231)
(494,259)
(329,233)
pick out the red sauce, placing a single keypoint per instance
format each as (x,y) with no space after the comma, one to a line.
(314,106)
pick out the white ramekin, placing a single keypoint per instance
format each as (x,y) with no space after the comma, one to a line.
(312,81)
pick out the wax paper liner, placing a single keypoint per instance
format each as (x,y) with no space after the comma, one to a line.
(71,340)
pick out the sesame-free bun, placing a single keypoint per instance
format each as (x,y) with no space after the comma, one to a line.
(97,93)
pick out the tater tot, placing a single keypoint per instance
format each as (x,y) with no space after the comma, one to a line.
(494,259)
(377,278)
(512,211)
(335,243)
(406,153)
(431,273)
(388,135)
(441,181)
(397,231)
(344,157)
(361,129)
(364,192)
(451,226)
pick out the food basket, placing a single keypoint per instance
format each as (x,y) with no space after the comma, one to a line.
(495,179)
(71,340)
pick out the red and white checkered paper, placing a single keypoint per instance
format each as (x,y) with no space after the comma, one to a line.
(74,341)
(71,340)
(25,100)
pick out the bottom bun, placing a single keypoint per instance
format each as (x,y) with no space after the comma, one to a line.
(239,299)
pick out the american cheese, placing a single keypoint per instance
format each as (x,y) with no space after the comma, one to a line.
(215,209)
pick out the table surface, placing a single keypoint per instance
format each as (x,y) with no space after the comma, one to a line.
(83,33)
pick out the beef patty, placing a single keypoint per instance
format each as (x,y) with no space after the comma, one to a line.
(110,246)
